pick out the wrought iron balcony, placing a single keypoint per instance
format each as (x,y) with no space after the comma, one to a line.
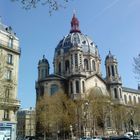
(5,45)
(8,102)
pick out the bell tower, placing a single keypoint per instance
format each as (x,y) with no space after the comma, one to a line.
(43,68)
(112,77)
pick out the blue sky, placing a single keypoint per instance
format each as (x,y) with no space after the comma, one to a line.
(112,24)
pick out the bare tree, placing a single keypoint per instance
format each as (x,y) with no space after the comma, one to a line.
(118,117)
(137,66)
(136,117)
(99,106)
(53,5)
(2,70)
(55,114)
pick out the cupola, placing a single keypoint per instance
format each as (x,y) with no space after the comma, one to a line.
(74,25)
(43,68)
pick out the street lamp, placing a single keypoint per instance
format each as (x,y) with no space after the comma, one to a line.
(71,130)
(58,134)
(86,115)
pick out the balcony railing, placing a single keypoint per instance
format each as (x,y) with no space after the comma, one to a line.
(5,44)
(9,102)
(6,119)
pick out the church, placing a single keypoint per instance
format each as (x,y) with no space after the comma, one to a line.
(77,69)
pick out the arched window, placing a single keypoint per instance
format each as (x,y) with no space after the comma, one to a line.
(71,59)
(86,64)
(77,86)
(59,68)
(80,57)
(108,122)
(112,69)
(54,89)
(67,65)
(43,73)
(116,69)
(120,92)
(125,99)
(130,100)
(108,70)
(76,60)
(93,65)
(115,93)
(134,100)
(83,86)
(139,99)
(71,87)
(41,90)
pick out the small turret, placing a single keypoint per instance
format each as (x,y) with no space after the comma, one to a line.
(43,68)
(111,64)
(112,77)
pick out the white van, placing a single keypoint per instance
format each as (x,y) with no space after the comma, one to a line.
(128,134)
(2,136)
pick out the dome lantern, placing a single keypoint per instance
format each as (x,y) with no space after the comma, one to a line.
(74,25)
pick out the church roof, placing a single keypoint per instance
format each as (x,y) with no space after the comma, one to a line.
(7,29)
(98,77)
(56,76)
(43,61)
(126,89)
(76,39)
(110,56)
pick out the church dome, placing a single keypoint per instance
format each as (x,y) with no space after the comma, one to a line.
(110,57)
(43,61)
(76,39)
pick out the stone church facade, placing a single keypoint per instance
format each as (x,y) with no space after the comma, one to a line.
(77,68)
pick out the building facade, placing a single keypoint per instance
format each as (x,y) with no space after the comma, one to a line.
(77,69)
(25,123)
(9,63)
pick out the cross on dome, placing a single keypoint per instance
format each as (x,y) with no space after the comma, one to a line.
(74,24)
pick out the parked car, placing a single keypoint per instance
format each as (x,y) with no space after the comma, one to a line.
(128,134)
(136,137)
(119,138)
(97,138)
(92,138)
(30,138)
(86,138)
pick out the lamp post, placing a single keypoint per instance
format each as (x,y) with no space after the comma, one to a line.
(30,120)
(71,130)
(58,134)
(86,115)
